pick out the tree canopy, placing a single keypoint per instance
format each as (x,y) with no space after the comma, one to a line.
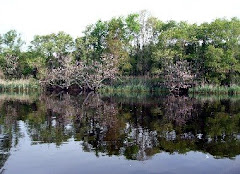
(138,45)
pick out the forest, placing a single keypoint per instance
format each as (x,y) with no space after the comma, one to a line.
(138,50)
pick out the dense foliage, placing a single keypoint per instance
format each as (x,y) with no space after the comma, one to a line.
(136,45)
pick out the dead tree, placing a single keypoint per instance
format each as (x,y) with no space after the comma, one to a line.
(178,77)
(87,76)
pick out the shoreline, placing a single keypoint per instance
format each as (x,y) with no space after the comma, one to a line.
(32,85)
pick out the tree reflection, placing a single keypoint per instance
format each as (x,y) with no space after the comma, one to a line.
(9,128)
(5,145)
(179,109)
(137,130)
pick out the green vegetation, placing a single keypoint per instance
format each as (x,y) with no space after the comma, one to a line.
(133,84)
(19,85)
(211,89)
(178,55)
(124,89)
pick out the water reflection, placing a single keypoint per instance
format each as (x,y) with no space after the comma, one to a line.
(136,129)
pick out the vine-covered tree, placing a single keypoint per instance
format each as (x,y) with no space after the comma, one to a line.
(10,51)
(85,75)
(178,76)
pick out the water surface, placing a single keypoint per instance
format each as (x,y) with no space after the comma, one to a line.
(119,134)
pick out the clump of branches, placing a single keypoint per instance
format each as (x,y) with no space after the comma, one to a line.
(11,68)
(180,109)
(63,76)
(86,75)
(178,76)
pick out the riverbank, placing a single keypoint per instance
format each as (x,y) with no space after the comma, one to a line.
(128,85)
(156,85)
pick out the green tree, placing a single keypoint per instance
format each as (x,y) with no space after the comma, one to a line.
(11,44)
(222,51)
(53,47)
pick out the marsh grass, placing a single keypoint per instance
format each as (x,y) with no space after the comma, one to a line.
(133,85)
(211,89)
(126,88)
(20,85)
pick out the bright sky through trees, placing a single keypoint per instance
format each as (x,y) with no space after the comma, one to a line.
(31,17)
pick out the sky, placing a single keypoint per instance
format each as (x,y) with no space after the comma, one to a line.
(32,17)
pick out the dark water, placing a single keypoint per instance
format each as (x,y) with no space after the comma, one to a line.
(124,134)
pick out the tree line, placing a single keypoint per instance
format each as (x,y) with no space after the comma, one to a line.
(180,53)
